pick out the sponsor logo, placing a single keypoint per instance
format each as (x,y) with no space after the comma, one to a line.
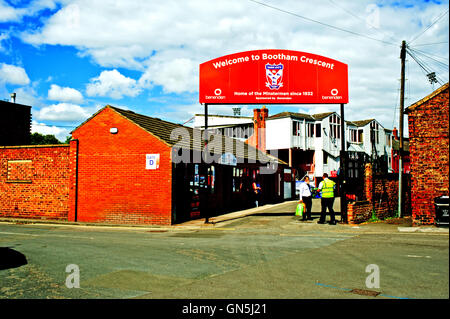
(274,76)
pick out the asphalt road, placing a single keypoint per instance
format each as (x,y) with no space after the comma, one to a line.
(267,255)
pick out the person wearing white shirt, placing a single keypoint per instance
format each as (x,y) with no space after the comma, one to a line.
(306,197)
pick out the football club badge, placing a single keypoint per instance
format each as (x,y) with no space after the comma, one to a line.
(274,76)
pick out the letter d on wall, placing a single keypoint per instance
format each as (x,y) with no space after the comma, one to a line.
(373,280)
(73,279)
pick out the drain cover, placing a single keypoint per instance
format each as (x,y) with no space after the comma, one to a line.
(365,292)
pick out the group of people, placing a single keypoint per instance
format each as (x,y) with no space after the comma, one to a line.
(327,188)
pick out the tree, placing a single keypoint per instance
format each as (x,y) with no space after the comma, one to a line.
(40,139)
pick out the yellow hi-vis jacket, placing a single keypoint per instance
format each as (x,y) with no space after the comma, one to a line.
(328,188)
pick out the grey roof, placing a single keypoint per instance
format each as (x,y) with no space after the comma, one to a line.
(301,116)
(359,123)
(219,144)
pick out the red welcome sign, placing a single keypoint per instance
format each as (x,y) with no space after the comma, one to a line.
(275,77)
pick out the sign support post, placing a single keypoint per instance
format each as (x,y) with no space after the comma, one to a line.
(343,169)
(271,77)
(205,132)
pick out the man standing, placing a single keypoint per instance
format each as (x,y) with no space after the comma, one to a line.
(305,197)
(327,187)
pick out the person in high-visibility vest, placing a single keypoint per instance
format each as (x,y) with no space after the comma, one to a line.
(326,188)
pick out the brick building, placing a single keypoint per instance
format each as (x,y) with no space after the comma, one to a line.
(15,124)
(123,167)
(429,153)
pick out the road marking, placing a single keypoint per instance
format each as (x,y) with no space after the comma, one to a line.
(317,235)
(415,256)
(46,235)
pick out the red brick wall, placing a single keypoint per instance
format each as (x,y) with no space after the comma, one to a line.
(113,184)
(429,152)
(359,212)
(34,181)
(381,195)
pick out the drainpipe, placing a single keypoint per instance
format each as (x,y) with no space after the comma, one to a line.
(76,180)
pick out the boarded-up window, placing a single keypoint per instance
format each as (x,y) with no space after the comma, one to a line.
(19,171)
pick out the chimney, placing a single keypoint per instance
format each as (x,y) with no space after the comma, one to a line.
(264,115)
(395,133)
(259,128)
(13,97)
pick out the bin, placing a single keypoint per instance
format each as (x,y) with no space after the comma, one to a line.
(441,205)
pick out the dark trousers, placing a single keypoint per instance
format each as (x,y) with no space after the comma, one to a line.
(327,203)
(308,204)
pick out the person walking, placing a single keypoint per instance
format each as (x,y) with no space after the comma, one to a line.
(256,192)
(306,198)
(327,187)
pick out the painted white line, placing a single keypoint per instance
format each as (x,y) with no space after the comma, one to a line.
(415,256)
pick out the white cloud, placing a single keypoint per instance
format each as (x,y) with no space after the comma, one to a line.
(62,112)
(27,95)
(112,84)
(64,94)
(175,76)
(13,74)
(167,40)
(60,133)
(11,14)
(3,37)
(7,13)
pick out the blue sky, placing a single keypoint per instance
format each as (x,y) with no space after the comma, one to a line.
(69,58)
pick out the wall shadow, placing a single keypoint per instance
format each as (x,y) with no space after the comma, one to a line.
(10,258)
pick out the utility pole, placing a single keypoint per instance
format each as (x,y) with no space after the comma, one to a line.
(343,169)
(402,105)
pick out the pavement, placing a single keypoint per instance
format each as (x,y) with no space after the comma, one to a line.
(260,253)
(223,220)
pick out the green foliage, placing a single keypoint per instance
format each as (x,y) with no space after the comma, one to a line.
(68,138)
(374,217)
(40,139)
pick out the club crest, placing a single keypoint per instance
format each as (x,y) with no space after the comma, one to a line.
(274,76)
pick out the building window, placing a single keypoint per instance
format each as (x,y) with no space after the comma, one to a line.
(335,126)
(356,135)
(388,140)
(374,131)
(211,179)
(296,128)
(237,178)
(318,130)
(311,132)
(325,158)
